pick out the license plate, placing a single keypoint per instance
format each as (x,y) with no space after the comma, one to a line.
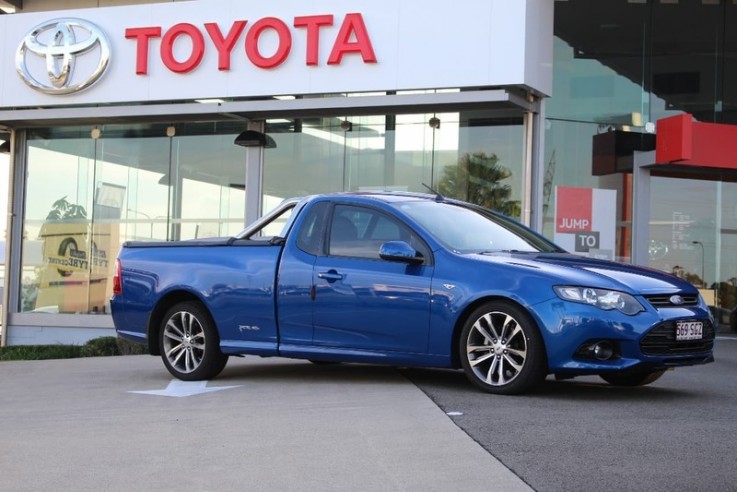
(689,330)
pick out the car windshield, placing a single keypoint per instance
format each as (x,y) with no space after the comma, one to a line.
(474,230)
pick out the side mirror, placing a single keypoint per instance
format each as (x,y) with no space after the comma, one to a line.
(400,251)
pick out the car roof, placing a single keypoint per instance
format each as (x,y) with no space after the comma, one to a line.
(385,196)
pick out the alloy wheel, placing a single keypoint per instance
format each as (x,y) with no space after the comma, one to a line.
(184,342)
(496,348)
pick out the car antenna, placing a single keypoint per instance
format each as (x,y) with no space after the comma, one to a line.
(438,197)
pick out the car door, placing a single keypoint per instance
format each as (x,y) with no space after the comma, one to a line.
(362,301)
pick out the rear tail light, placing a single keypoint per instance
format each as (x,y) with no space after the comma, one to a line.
(117,284)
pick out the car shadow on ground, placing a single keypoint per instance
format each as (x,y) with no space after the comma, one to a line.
(240,371)
(589,388)
(432,381)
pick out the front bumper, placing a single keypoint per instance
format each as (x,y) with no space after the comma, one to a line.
(643,342)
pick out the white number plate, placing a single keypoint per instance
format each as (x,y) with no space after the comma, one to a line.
(689,330)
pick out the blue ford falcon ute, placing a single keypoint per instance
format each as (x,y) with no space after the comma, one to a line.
(409,280)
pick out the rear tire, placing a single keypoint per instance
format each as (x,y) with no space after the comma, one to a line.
(501,349)
(632,379)
(190,344)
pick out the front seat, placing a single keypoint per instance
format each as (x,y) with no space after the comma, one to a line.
(342,231)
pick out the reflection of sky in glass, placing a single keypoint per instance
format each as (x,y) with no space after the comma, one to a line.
(370,157)
(213,198)
(584,89)
(685,210)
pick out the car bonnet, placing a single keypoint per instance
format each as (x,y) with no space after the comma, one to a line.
(579,270)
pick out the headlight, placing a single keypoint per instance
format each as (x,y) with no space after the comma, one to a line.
(601,298)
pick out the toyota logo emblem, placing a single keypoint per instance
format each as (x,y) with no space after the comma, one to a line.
(59,45)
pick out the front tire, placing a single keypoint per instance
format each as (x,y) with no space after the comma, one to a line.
(632,379)
(190,345)
(501,349)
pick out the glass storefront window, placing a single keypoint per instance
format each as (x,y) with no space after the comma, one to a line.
(55,275)
(619,64)
(693,234)
(468,155)
(683,228)
(486,167)
(625,63)
(684,65)
(89,189)
(598,69)
(211,168)
(568,162)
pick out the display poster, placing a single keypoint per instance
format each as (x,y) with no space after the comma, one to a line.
(585,221)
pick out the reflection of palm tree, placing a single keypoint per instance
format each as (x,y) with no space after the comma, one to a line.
(548,183)
(476,179)
(63,209)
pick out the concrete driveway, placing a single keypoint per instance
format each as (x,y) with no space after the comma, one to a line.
(121,423)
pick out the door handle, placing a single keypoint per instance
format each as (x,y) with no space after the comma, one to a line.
(330,276)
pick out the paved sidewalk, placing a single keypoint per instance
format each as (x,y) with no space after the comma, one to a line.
(285,425)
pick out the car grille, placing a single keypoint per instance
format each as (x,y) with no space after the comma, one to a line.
(661,340)
(664,301)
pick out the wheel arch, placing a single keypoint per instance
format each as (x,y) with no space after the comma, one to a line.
(157,315)
(458,328)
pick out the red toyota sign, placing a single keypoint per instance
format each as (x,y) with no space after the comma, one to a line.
(353,37)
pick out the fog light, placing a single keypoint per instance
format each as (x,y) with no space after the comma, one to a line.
(603,350)
(598,350)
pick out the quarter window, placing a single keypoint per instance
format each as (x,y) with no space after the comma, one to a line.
(311,234)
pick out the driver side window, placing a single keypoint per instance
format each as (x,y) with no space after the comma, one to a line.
(359,232)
